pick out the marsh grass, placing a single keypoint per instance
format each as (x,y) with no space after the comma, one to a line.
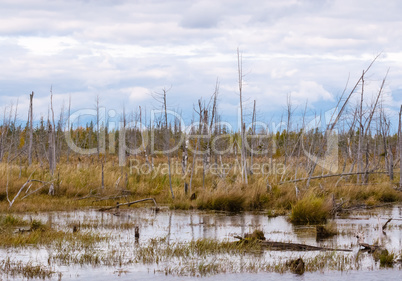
(10,220)
(26,270)
(370,194)
(38,233)
(386,259)
(325,231)
(77,179)
(231,201)
(310,210)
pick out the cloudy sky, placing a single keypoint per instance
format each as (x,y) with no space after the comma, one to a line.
(125,50)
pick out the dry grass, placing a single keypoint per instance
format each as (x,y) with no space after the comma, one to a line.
(74,180)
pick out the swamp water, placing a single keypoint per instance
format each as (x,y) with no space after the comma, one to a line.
(162,251)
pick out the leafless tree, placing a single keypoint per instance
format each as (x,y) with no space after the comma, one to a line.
(52,137)
(242,125)
(400,147)
(30,120)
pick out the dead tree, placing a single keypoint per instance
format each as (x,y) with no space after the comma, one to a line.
(361,132)
(242,125)
(367,128)
(97,127)
(288,128)
(389,159)
(333,123)
(253,121)
(52,138)
(197,145)
(167,141)
(400,147)
(13,146)
(30,117)
(68,125)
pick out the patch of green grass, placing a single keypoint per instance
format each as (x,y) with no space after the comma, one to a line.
(39,234)
(386,259)
(10,220)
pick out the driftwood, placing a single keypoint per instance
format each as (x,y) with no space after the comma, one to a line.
(368,247)
(129,204)
(287,246)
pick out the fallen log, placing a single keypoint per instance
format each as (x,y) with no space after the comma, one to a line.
(285,246)
(330,176)
(366,207)
(128,204)
(368,247)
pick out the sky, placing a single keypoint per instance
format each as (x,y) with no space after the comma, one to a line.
(125,51)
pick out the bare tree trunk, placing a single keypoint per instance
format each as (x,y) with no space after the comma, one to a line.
(103,177)
(361,134)
(184,159)
(30,117)
(2,136)
(391,163)
(252,140)
(331,127)
(52,138)
(367,129)
(13,141)
(68,126)
(383,125)
(50,153)
(97,126)
(242,125)
(288,127)
(167,142)
(196,147)
(400,147)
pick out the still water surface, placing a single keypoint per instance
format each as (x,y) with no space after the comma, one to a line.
(182,226)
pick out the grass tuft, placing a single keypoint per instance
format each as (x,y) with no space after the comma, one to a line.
(310,210)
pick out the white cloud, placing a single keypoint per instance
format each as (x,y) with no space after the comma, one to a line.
(119,49)
(312,92)
(139,93)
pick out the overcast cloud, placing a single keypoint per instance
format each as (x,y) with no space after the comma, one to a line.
(125,50)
